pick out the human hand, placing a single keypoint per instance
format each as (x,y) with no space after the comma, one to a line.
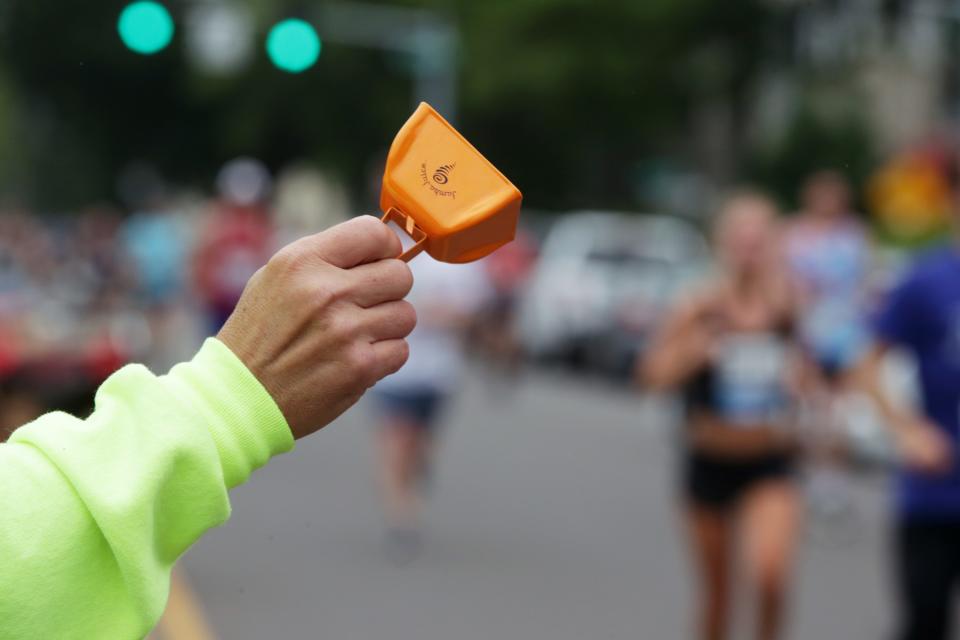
(925,448)
(324,320)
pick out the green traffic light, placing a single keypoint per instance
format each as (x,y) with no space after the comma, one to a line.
(145,26)
(293,45)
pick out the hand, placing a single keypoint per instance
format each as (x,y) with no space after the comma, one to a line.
(703,344)
(324,320)
(925,448)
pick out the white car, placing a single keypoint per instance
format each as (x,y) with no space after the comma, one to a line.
(603,281)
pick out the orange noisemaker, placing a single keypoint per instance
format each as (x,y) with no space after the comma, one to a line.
(444,194)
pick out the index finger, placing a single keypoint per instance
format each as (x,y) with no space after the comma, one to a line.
(357,241)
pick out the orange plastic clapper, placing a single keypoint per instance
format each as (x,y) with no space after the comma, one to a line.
(444,194)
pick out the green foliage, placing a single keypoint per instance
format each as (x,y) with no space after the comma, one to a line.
(813,142)
(567,96)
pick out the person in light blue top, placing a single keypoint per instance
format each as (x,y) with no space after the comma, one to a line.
(828,250)
(157,244)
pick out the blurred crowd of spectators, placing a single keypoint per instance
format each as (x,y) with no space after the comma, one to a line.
(81,294)
(85,292)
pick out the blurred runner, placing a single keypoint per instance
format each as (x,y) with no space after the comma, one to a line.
(159,240)
(411,401)
(493,333)
(922,317)
(238,238)
(733,354)
(158,243)
(829,255)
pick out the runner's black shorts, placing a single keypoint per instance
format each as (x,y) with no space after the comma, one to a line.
(719,483)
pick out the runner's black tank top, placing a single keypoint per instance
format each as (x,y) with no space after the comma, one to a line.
(745,384)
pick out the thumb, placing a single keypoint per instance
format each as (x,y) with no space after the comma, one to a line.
(357,241)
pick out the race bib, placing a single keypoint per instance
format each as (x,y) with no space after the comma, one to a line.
(750,387)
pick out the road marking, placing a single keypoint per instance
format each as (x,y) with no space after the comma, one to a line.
(184,618)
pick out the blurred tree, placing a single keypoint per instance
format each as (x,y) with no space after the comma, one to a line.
(567,96)
(813,141)
(89,106)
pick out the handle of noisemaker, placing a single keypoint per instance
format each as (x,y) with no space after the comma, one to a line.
(410,227)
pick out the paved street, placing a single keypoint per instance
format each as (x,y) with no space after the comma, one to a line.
(551,519)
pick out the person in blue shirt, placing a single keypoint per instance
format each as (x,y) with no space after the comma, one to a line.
(921,316)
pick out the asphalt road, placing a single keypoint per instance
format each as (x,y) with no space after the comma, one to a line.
(552,518)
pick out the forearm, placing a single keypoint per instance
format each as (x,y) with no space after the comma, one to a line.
(868,378)
(669,364)
(97,511)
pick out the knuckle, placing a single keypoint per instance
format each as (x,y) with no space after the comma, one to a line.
(287,267)
(399,270)
(344,326)
(286,260)
(394,274)
(362,363)
(368,223)
(371,225)
(403,354)
(312,292)
(273,270)
(342,291)
(406,317)
(317,299)
(396,357)
(258,277)
(324,292)
(338,289)
(403,275)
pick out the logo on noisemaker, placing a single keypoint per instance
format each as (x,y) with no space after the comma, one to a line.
(437,180)
(442,174)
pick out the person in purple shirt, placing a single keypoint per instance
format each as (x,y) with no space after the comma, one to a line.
(921,316)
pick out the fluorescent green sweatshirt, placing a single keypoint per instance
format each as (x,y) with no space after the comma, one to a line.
(93,513)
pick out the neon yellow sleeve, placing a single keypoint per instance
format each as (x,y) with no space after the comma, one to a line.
(93,513)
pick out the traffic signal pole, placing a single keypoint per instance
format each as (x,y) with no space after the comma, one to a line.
(429,39)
